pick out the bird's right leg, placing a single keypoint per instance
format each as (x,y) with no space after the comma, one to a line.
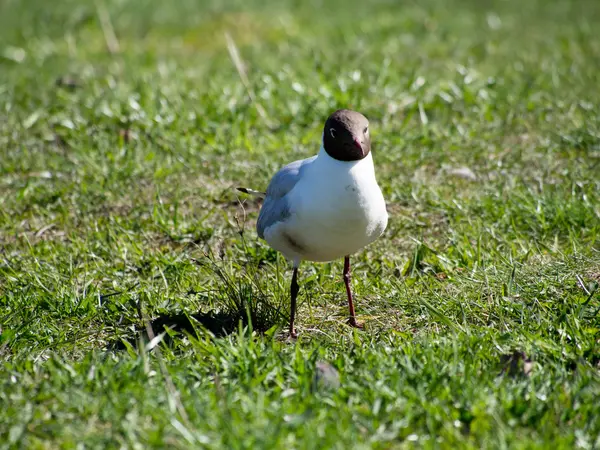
(352,320)
(294,288)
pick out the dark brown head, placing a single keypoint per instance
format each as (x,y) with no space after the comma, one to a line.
(346,136)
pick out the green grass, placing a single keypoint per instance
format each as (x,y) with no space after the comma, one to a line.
(118,211)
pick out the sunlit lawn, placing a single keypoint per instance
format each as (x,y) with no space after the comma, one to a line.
(125,127)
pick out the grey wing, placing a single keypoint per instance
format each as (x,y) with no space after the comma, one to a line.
(276,207)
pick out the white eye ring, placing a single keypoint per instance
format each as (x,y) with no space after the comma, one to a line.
(332,132)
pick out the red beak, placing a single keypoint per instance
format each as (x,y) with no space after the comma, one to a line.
(357,143)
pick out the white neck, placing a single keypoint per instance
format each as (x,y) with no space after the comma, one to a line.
(364,165)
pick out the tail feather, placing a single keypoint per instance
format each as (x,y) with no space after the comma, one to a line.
(251,192)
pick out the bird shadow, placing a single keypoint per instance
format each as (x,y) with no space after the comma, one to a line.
(243,300)
(218,323)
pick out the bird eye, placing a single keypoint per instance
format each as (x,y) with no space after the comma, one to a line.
(366,130)
(332,132)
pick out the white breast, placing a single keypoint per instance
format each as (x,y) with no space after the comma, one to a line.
(336,209)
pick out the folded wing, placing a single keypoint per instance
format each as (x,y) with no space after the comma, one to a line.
(276,207)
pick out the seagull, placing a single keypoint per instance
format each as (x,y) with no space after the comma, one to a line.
(325,207)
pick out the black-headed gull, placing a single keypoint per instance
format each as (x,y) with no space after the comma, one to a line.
(328,206)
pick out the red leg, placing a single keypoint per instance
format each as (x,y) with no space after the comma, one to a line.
(294,288)
(352,320)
